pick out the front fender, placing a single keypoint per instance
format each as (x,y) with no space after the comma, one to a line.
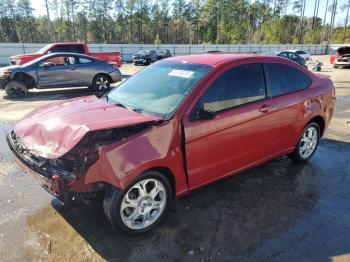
(121,162)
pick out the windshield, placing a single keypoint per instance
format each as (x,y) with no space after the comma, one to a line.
(43,50)
(160,88)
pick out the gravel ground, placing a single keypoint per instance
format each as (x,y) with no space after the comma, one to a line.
(277,211)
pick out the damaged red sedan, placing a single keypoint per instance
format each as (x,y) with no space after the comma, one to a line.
(176,125)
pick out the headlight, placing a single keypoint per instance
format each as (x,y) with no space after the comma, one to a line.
(5,73)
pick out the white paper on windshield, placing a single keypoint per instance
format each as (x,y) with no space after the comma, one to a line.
(181,73)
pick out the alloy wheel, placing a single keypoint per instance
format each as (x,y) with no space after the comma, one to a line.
(143,204)
(102,83)
(308,142)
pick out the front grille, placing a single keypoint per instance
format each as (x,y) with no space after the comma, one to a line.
(343,60)
(23,152)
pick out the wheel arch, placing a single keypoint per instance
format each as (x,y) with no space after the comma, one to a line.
(319,120)
(25,78)
(102,74)
(167,173)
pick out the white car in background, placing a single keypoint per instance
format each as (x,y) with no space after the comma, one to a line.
(304,54)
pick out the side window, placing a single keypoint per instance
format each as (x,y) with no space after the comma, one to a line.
(60,48)
(84,60)
(293,56)
(236,86)
(284,79)
(61,60)
(285,55)
(76,49)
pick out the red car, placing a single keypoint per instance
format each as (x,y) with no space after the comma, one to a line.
(66,47)
(177,125)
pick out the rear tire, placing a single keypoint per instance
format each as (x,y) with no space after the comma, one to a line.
(15,88)
(307,144)
(138,208)
(101,83)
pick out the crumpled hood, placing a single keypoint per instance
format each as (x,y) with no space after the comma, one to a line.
(52,130)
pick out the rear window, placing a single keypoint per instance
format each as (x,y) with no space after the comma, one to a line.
(284,79)
(84,60)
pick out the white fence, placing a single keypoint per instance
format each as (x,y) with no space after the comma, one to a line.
(9,49)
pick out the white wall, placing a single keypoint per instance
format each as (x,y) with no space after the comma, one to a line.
(9,49)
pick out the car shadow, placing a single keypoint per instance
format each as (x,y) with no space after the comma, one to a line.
(230,217)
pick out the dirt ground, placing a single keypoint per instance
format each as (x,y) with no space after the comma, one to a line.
(277,211)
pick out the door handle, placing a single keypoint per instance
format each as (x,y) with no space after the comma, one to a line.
(265,108)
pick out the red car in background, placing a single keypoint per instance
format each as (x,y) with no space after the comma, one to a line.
(66,47)
(177,125)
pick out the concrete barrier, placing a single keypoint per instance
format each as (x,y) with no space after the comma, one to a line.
(127,50)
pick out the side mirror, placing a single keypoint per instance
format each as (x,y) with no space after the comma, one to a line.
(202,114)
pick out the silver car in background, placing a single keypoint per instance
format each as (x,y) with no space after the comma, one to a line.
(59,70)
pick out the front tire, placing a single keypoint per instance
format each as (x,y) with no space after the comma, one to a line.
(101,83)
(307,143)
(141,206)
(15,88)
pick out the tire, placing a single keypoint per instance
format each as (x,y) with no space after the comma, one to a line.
(101,83)
(119,205)
(307,144)
(15,88)
(334,65)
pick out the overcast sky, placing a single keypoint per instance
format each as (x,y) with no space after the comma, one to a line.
(39,9)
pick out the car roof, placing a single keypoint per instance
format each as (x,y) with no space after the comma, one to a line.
(69,54)
(67,43)
(218,58)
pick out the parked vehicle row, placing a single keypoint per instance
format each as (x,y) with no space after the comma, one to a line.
(59,70)
(152,138)
(146,57)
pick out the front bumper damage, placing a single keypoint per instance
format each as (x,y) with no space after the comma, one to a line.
(65,185)
(3,82)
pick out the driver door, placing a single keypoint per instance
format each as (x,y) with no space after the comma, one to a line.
(57,71)
(240,132)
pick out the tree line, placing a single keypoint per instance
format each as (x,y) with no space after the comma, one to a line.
(173,22)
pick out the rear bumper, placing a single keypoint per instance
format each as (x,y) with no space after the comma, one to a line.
(139,60)
(342,63)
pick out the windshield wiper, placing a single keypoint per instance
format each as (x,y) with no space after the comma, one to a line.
(127,107)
